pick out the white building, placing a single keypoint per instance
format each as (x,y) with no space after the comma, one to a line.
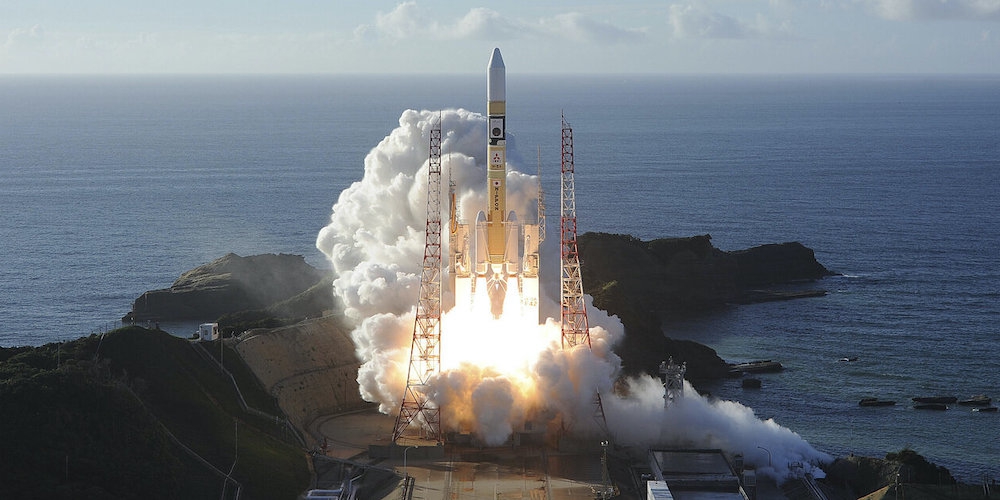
(208,332)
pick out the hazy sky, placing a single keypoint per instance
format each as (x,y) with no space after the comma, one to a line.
(536,36)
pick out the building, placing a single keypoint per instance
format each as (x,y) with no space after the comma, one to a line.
(693,475)
(208,332)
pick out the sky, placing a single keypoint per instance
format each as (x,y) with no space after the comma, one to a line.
(550,36)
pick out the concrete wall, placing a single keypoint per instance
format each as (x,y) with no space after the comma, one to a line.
(310,367)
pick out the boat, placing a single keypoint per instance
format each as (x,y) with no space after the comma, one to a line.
(875,402)
(763,366)
(936,399)
(930,406)
(984,409)
(977,400)
(848,360)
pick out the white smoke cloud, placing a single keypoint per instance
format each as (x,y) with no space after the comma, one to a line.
(503,378)
(699,422)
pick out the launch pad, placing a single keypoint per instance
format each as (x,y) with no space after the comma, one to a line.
(426,470)
(462,471)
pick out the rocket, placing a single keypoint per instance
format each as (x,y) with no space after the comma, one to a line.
(497,258)
(496,151)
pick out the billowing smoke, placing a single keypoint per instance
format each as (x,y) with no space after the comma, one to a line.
(496,377)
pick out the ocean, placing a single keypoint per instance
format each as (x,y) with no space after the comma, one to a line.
(114,185)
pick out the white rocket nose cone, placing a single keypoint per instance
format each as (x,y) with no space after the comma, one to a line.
(496,60)
(496,78)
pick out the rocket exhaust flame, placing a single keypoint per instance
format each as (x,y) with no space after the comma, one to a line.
(496,287)
(501,370)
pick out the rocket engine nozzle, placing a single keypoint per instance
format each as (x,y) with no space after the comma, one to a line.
(496,289)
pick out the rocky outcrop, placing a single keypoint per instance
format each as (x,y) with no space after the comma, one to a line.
(226,285)
(648,282)
(664,275)
(682,275)
(777,263)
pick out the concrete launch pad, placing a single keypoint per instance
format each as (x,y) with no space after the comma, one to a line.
(463,472)
(535,472)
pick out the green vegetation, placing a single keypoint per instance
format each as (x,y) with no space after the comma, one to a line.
(92,418)
(235,323)
(914,468)
(906,469)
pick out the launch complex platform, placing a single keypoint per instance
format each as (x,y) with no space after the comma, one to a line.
(459,471)
(428,471)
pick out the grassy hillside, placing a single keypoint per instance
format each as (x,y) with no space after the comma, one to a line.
(92,418)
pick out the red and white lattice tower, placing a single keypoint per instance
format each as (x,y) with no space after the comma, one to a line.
(541,200)
(575,327)
(425,353)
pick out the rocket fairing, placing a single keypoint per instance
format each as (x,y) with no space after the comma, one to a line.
(503,250)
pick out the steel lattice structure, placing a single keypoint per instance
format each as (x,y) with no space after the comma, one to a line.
(575,327)
(425,352)
(541,200)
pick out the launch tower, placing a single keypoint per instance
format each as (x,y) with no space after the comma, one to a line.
(575,326)
(425,351)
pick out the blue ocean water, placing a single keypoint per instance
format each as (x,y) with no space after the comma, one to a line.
(110,186)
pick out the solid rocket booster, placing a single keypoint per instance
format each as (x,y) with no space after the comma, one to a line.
(496,175)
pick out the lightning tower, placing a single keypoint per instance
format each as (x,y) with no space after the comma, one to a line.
(575,327)
(541,200)
(425,352)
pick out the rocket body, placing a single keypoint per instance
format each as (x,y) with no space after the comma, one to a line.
(496,149)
